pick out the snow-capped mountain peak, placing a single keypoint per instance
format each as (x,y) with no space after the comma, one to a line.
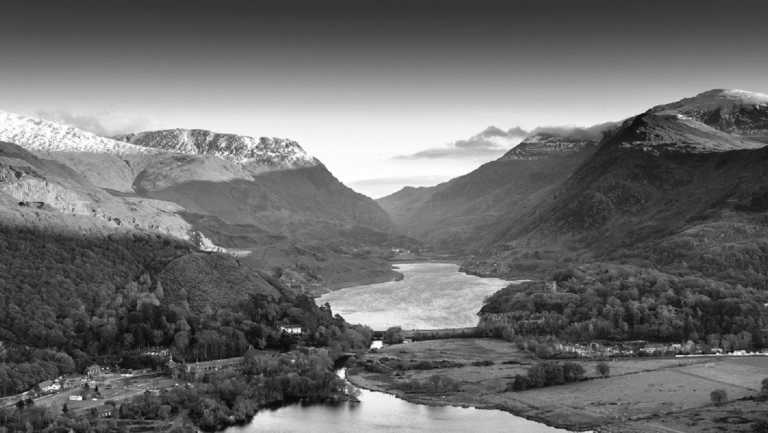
(274,152)
(732,111)
(40,135)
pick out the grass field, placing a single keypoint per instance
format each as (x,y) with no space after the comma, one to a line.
(646,392)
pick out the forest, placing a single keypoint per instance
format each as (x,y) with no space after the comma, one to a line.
(219,400)
(68,301)
(624,302)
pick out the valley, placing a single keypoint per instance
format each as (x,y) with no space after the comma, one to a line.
(383,216)
(626,244)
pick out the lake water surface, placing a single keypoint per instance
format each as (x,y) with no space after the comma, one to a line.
(379,412)
(432,295)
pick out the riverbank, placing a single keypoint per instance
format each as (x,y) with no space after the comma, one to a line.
(645,392)
(362,280)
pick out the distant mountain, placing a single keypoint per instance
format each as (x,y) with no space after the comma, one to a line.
(548,141)
(271,152)
(223,192)
(270,183)
(487,144)
(682,185)
(455,215)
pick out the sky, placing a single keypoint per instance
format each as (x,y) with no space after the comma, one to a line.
(366,85)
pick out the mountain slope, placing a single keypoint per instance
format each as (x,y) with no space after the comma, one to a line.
(106,163)
(663,180)
(454,215)
(270,183)
(40,192)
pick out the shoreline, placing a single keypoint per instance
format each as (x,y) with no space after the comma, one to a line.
(393,275)
(416,398)
(639,392)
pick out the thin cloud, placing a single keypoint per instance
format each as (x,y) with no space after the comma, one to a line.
(489,143)
(105,125)
(594,132)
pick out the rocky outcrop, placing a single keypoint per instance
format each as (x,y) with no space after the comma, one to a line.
(28,179)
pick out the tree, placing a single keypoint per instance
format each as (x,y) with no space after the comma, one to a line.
(718,396)
(603,369)
(393,335)
(573,371)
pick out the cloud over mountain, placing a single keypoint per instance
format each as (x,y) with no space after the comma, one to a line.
(105,125)
(490,143)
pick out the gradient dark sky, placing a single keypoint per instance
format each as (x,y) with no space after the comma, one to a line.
(359,82)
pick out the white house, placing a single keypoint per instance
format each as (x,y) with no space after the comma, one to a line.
(50,386)
(291,329)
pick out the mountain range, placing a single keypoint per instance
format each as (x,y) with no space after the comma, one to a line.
(678,173)
(453,216)
(263,199)
(680,186)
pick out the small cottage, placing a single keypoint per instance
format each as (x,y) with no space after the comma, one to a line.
(291,329)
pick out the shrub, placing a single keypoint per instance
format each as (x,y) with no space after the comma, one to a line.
(393,335)
(573,371)
(718,396)
(603,369)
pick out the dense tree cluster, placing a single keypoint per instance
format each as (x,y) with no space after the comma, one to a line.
(224,399)
(92,299)
(621,302)
(548,374)
(23,367)
(220,400)
(433,384)
(393,335)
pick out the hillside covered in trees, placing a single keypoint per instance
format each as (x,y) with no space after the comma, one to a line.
(68,301)
(623,302)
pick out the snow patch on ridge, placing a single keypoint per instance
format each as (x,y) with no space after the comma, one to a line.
(46,136)
(265,151)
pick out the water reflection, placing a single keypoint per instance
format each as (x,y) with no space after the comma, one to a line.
(378,412)
(431,295)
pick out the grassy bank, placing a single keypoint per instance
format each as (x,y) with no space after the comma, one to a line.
(645,392)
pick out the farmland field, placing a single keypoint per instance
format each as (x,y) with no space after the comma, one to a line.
(638,390)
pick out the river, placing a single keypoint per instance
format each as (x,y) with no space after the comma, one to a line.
(432,295)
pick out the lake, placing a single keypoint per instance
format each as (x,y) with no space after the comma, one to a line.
(379,412)
(431,295)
